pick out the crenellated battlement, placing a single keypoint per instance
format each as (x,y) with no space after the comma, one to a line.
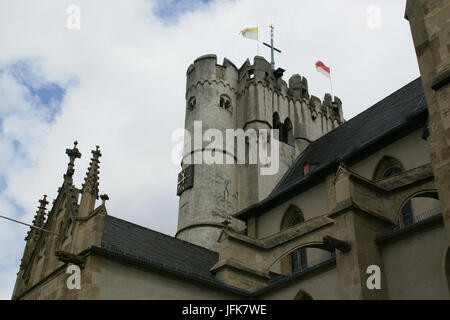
(206,71)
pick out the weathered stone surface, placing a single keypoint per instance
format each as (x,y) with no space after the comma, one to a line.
(429,27)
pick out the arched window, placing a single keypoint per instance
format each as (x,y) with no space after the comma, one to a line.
(298,257)
(225,102)
(407,214)
(276,123)
(387,167)
(191,103)
(288,136)
(285,131)
(297,260)
(392,172)
(419,207)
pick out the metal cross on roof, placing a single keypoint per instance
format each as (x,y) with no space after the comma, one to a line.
(271,46)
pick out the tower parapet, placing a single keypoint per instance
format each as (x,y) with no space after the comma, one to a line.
(222,97)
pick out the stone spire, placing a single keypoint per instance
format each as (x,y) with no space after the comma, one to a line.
(39,220)
(73,154)
(33,234)
(89,191)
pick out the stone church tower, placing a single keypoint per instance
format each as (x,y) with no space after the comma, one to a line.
(221,97)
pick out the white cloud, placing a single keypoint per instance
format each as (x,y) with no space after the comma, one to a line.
(7,281)
(128,96)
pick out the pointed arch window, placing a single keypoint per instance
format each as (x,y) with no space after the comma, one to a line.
(393,171)
(419,207)
(297,260)
(387,167)
(298,257)
(407,214)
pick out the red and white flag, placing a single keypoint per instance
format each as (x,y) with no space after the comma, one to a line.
(322,68)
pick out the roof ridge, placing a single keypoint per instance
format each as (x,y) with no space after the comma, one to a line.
(341,127)
(362,113)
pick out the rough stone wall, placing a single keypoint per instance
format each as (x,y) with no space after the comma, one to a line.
(430,30)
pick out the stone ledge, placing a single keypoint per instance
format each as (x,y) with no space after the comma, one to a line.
(385,237)
(441,80)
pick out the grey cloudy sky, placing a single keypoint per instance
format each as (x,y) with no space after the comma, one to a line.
(119,82)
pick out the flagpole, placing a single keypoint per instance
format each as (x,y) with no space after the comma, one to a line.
(257,42)
(331,85)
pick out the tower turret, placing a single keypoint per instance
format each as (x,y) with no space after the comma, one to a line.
(89,191)
(208,194)
(253,98)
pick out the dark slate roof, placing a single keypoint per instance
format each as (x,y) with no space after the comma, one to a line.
(133,242)
(132,239)
(362,130)
(377,126)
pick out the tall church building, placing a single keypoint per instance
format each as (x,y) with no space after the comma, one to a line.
(357,209)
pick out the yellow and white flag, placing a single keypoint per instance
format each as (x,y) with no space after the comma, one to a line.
(251,33)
